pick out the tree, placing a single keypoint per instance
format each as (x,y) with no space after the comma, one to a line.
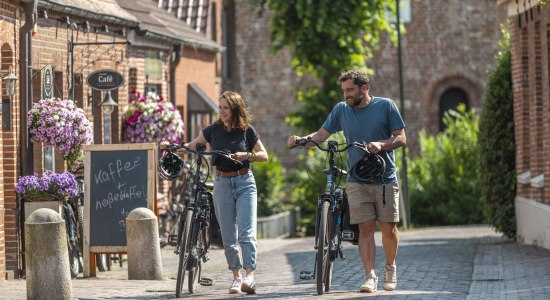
(325,38)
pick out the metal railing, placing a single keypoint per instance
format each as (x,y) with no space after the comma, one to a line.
(280,225)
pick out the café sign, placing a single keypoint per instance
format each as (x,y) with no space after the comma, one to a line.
(105,80)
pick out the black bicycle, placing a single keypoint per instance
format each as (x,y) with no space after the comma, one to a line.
(193,239)
(72,210)
(329,225)
(178,194)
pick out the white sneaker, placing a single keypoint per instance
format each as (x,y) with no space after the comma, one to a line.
(236,285)
(390,277)
(370,285)
(249,286)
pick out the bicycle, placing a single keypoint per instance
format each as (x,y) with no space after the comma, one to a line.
(77,206)
(193,239)
(178,194)
(329,225)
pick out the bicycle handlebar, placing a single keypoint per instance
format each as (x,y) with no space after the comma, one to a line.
(200,150)
(334,148)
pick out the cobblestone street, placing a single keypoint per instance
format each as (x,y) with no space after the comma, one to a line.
(435,263)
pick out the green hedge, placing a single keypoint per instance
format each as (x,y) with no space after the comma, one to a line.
(270,181)
(443,181)
(497,146)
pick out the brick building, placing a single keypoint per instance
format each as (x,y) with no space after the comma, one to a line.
(447,50)
(529,37)
(10,22)
(166,57)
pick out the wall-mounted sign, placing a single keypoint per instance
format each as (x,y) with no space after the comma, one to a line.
(105,80)
(47,83)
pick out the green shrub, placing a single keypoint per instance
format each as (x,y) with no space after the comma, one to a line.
(443,181)
(270,181)
(497,146)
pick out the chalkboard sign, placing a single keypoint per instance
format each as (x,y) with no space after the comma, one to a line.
(118,179)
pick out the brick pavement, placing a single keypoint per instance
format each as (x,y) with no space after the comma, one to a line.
(470,262)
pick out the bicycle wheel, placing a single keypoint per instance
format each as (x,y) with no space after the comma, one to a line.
(195,267)
(332,249)
(184,252)
(74,261)
(322,248)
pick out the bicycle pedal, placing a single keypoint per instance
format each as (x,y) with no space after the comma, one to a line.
(306,275)
(172,240)
(205,258)
(206,281)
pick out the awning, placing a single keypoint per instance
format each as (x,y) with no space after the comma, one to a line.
(198,101)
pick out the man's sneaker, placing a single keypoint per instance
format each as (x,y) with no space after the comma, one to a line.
(248,286)
(236,286)
(370,285)
(390,277)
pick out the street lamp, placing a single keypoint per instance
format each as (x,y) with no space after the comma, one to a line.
(9,81)
(108,104)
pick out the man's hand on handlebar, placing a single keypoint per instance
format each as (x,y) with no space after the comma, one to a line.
(292,140)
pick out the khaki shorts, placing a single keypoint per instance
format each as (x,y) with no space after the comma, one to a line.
(366,202)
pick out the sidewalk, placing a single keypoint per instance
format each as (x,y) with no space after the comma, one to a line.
(471,262)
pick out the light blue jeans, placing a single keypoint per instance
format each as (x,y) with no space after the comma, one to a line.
(235,202)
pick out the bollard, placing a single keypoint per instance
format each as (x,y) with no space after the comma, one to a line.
(142,235)
(46,253)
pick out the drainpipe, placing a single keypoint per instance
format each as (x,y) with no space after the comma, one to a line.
(173,64)
(25,102)
(25,84)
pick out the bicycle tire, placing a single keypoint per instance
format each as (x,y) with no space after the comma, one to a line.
(322,248)
(195,269)
(184,252)
(332,229)
(74,262)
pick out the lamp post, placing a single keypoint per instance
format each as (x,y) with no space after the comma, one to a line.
(107,106)
(9,82)
(405,184)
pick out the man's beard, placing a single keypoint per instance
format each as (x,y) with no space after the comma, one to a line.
(354,101)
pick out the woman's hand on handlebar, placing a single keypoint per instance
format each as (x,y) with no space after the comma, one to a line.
(241,156)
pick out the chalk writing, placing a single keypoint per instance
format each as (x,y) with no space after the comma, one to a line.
(114,171)
(129,193)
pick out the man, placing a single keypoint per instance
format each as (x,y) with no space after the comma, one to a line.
(376,121)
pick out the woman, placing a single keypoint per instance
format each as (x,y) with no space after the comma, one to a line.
(235,193)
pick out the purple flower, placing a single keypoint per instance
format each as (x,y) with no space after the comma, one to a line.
(59,184)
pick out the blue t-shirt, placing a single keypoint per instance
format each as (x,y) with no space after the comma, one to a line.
(372,123)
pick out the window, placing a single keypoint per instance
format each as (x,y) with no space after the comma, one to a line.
(153,64)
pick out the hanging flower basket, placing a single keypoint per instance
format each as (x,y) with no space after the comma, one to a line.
(50,186)
(59,123)
(152,119)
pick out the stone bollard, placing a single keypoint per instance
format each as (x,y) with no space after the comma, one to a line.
(47,256)
(142,235)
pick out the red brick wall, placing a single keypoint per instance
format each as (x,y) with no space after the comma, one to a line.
(9,29)
(530,67)
(50,48)
(195,66)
